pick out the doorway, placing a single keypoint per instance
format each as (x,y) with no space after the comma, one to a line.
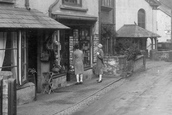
(32,56)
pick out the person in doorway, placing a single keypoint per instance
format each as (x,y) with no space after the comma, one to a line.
(100,62)
(78,64)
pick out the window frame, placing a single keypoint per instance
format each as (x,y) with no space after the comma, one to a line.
(72,4)
(19,77)
(23,59)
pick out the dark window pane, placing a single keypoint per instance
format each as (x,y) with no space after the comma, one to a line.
(141,18)
(72,2)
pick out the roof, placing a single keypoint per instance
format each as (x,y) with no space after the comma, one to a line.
(165,9)
(75,16)
(168,3)
(153,3)
(134,31)
(23,18)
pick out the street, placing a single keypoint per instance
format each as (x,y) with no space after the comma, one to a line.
(144,93)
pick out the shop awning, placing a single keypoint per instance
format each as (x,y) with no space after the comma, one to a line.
(23,18)
(134,31)
(74,16)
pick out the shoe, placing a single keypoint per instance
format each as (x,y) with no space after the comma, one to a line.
(99,81)
(77,83)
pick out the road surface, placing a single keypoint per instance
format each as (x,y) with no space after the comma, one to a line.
(144,93)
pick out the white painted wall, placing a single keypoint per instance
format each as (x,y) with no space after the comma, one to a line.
(163,25)
(93,9)
(91,5)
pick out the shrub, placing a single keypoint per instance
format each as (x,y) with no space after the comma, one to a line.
(128,48)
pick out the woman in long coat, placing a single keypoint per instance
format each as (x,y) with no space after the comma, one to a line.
(100,62)
(78,64)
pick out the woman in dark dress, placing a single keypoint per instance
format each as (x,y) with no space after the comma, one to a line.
(100,62)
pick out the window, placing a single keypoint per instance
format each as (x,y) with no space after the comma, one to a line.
(13,54)
(73,2)
(8,53)
(22,59)
(107,3)
(141,18)
(82,37)
(7,1)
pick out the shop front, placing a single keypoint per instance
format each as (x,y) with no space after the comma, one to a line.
(81,32)
(22,40)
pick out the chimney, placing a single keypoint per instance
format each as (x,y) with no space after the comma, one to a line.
(27,4)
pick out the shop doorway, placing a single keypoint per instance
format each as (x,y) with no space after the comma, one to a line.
(32,57)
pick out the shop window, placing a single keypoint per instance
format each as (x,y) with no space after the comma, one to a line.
(141,18)
(84,41)
(73,2)
(68,39)
(13,55)
(81,36)
(8,53)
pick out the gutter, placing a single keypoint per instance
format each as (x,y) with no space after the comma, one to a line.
(99,15)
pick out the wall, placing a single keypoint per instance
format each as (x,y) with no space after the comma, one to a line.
(161,55)
(163,24)
(119,66)
(106,17)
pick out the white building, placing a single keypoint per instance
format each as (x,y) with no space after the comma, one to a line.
(164,23)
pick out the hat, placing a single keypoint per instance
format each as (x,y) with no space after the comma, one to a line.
(100,45)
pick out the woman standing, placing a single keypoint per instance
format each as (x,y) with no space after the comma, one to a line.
(78,64)
(100,62)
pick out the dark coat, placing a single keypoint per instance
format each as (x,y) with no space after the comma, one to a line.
(100,62)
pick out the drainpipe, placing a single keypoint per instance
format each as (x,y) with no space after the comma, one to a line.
(99,15)
(51,7)
(27,5)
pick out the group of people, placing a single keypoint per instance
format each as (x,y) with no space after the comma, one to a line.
(78,58)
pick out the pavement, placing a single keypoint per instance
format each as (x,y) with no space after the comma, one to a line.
(67,100)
